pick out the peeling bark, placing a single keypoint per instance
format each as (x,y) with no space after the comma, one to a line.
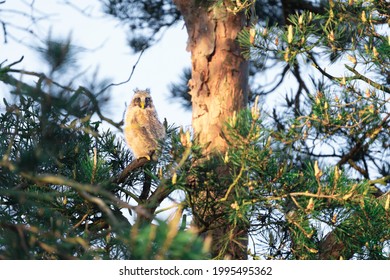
(219,82)
(218,87)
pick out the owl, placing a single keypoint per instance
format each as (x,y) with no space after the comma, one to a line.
(142,128)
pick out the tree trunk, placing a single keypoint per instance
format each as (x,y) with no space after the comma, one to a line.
(219,82)
(218,88)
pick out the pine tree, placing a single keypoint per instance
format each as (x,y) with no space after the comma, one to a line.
(328,145)
(309,180)
(65,190)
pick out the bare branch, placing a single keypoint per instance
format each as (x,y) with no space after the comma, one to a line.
(132,166)
(130,76)
(42,77)
(4,32)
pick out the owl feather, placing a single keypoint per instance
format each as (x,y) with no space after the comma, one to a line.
(143,130)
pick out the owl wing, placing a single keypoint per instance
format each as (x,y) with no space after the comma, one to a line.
(143,133)
(157,128)
(140,140)
(158,131)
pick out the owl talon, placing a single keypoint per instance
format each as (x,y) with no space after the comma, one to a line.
(147,157)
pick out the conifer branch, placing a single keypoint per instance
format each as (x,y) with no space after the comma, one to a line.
(367,80)
(137,163)
(32,92)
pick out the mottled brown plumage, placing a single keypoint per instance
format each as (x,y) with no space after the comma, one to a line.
(142,128)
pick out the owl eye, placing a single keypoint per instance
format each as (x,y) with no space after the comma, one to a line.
(137,100)
(148,101)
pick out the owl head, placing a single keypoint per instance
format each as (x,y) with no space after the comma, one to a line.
(142,99)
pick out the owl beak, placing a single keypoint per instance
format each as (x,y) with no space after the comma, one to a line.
(142,104)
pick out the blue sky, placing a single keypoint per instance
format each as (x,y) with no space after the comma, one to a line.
(104,40)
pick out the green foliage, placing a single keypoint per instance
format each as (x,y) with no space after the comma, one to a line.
(340,123)
(179,90)
(307,181)
(290,206)
(59,199)
(59,54)
(166,242)
(60,196)
(348,107)
(144,18)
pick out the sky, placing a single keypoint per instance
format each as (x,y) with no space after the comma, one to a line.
(103,40)
(104,43)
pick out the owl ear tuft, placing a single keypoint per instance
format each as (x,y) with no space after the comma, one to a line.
(147,90)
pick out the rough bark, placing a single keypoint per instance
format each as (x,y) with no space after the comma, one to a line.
(218,87)
(219,82)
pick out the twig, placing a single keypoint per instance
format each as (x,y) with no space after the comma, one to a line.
(283,74)
(357,76)
(42,77)
(313,195)
(102,205)
(358,168)
(371,134)
(382,181)
(81,188)
(15,62)
(367,80)
(322,71)
(4,32)
(232,185)
(80,222)
(130,76)
(83,11)
(97,108)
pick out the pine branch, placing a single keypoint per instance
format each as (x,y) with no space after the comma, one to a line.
(137,163)
(357,76)
(382,180)
(34,93)
(85,191)
(371,134)
(367,80)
